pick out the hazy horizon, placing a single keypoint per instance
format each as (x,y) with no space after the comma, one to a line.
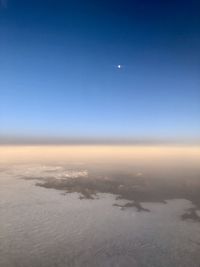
(49,140)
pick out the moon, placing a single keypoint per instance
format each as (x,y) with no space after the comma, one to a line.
(118,66)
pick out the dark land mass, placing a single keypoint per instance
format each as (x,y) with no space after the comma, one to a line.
(191,214)
(134,204)
(135,189)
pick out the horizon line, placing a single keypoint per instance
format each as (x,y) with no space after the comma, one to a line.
(96,141)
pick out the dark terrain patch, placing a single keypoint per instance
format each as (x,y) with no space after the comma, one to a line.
(191,214)
(128,187)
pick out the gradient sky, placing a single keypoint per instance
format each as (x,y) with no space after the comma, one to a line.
(58,75)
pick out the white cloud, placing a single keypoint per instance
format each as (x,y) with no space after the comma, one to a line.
(43,171)
(139,174)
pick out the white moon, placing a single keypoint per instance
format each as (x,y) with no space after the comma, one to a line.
(119,66)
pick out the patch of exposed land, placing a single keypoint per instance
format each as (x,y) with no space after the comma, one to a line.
(191,214)
(136,189)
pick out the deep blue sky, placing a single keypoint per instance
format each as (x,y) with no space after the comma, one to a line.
(58,75)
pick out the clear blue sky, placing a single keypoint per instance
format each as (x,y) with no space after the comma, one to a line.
(58,75)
